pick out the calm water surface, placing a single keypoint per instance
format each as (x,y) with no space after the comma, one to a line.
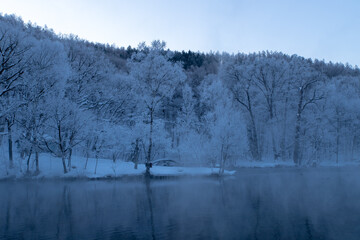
(255,204)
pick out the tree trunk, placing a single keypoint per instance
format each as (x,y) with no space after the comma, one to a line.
(337,138)
(254,145)
(283,139)
(87,148)
(87,159)
(148,160)
(251,128)
(136,165)
(10,144)
(296,156)
(28,161)
(96,164)
(2,130)
(69,159)
(354,142)
(273,142)
(275,152)
(64,163)
(223,159)
(37,162)
(136,154)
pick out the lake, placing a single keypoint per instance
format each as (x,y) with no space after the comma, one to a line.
(284,203)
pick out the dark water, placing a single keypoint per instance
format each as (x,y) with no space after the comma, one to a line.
(255,204)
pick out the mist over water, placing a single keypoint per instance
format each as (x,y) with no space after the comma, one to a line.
(254,204)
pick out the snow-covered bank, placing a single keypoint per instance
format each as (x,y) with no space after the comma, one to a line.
(263,164)
(51,167)
(272,164)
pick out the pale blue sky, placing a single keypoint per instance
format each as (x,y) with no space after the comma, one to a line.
(320,29)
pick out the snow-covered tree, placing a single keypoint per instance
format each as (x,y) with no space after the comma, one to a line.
(64,127)
(154,79)
(14,47)
(343,113)
(238,76)
(307,83)
(271,74)
(45,74)
(225,126)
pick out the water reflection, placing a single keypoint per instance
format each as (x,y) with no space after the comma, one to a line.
(149,198)
(256,204)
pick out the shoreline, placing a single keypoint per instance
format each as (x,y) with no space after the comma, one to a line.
(133,177)
(165,175)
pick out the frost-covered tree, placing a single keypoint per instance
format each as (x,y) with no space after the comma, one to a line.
(188,131)
(307,85)
(271,74)
(90,69)
(154,79)
(64,127)
(224,125)
(342,113)
(45,74)
(14,47)
(238,76)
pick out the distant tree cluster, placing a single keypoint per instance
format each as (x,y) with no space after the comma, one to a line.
(61,94)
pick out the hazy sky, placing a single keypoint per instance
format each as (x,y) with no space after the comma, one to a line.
(324,29)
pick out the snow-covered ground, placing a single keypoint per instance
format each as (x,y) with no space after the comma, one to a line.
(270,164)
(263,164)
(51,167)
